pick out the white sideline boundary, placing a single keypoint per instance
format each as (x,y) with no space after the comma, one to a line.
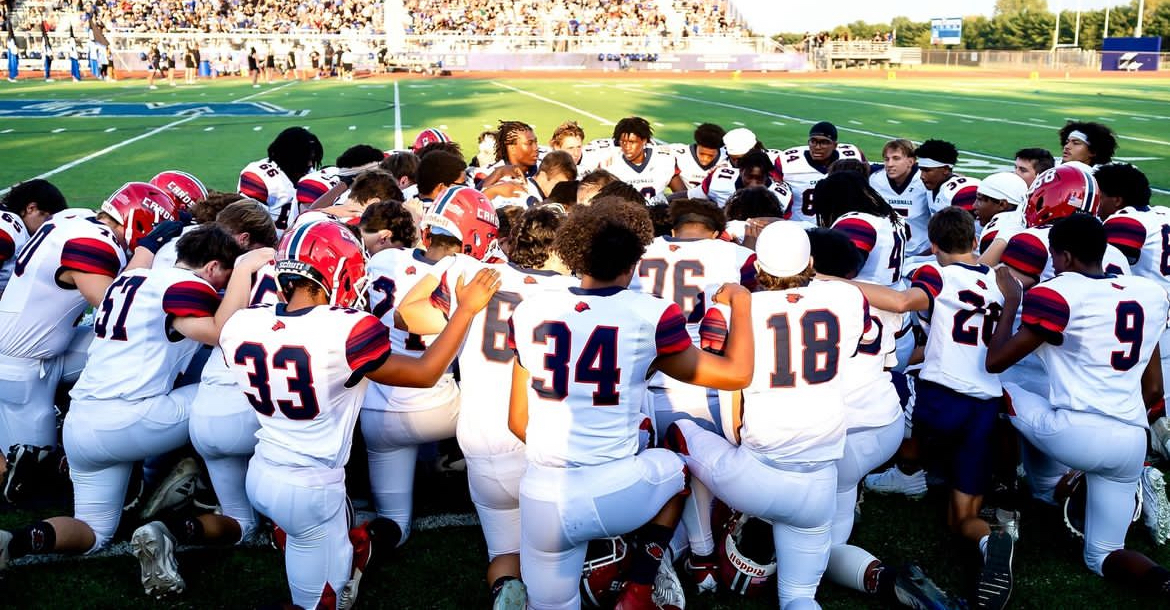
(264,91)
(123,549)
(397,119)
(602,120)
(805,121)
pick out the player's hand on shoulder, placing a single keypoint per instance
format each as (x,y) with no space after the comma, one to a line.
(344,211)
(162,233)
(1008,283)
(254,260)
(728,293)
(474,295)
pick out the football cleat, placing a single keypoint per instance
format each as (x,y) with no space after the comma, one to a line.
(1008,521)
(995,579)
(175,490)
(29,471)
(1160,437)
(703,574)
(668,591)
(5,539)
(914,589)
(513,595)
(363,551)
(155,549)
(1155,505)
(894,481)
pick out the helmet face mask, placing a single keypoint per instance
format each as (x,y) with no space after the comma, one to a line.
(1060,192)
(326,253)
(138,207)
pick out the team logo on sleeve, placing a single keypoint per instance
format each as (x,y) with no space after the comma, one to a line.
(581,307)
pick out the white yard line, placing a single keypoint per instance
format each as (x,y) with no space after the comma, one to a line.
(263,91)
(602,120)
(111,148)
(397,119)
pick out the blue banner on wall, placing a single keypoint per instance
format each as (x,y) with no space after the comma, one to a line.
(1130,54)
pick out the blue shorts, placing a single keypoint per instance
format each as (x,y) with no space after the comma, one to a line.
(955,431)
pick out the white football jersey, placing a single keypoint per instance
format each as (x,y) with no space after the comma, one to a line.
(724,181)
(1027,252)
(485,360)
(912,201)
(871,400)
(881,242)
(264,292)
(304,373)
(136,352)
(1143,236)
(265,182)
(1096,352)
(794,408)
(687,271)
(392,274)
(314,184)
(689,169)
(168,254)
(965,304)
(802,174)
(1001,226)
(37,314)
(957,190)
(587,353)
(593,153)
(13,236)
(651,177)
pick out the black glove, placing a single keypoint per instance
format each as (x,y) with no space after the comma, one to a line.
(163,232)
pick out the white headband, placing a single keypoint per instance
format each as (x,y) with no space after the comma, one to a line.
(1079,135)
(928,163)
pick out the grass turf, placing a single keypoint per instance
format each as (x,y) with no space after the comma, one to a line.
(989,119)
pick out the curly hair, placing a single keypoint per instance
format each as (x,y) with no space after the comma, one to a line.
(684,211)
(939,150)
(621,190)
(709,135)
(206,210)
(768,281)
(1102,143)
(606,239)
(660,216)
(508,133)
(844,192)
(390,216)
(451,147)
(41,192)
(532,236)
(359,155)
(752,202)
(632,124)
(296,151)
(856,166)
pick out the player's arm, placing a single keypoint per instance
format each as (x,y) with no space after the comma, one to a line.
(677,185)
(90,265)
(418,312)
(994,252)
(896,301)
(731,371)
(1006,348)
(205,328)
(518,403)
(1153,390)
(92,286)
(424,372)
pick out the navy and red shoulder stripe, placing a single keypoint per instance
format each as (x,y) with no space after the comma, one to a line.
(7,247)
(1126,234)
(90,255)
(1027,254)
(927,278)
(713,331)
(861,233)
(670,336)
(441,296)
(253,186)
(1047,312)
(367,346)
(189,299)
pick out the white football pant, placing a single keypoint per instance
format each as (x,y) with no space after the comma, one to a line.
(28,388)
(223,430)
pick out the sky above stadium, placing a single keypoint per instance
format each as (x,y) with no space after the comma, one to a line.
(816,15)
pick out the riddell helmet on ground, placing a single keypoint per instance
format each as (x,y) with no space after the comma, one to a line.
(1071,495)
(186,190)
(327,253)
(138,207)
(1060,192)
(606,561)
(428,136)
(745,550)
(466,214)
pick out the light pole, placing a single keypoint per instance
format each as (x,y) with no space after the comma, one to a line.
(1137,31)
(1077,28)
(1106,33)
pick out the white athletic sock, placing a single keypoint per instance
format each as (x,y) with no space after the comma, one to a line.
(847,566)
(983,546)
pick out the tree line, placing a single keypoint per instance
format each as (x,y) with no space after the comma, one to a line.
(1018,25)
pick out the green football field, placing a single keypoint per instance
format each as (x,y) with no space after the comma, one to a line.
(91,137)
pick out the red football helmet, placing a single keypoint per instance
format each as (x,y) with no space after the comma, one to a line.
(428,136)
(466,214)
(186,190)
(1059,192)
(138,207)
(749,572)
(606,561)
(327,253)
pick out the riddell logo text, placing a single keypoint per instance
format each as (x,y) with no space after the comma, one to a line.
(743,566)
